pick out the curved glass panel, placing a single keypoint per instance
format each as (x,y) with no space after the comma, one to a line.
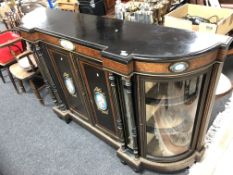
(170,114)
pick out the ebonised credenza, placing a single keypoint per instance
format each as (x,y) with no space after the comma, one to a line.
(146,90)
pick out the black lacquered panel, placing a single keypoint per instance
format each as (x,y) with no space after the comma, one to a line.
(47,60)
(147,42)
(99,93)
(72,91)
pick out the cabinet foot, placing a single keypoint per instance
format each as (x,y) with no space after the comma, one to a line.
(68,120)
(136,170)
(64,115)
(123,162)
(127,158)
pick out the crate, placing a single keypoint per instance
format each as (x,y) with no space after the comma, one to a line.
(68,5)
(176,19)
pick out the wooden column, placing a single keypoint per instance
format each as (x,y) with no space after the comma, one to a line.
(50,85)
(129,114)
(117,110)
(208,105)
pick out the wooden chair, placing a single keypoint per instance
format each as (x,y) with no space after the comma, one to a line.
(11,20)
(26,69)
(10,45)
(10,16)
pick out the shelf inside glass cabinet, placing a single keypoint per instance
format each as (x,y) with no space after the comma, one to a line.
(172,130)
(172,93)
(170,114)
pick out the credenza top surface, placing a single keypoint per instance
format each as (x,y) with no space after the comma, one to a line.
(140,41)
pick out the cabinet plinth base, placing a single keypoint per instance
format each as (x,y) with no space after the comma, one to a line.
(125,155)
(64,115)
(138,164)
(68,116)
(128,158)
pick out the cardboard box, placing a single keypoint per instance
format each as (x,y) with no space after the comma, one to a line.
(69,5)
(223,26)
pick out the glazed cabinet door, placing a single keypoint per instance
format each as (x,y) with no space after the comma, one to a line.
(171,109)
(69,80)
(97,84)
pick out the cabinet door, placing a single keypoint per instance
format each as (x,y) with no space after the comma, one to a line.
(97,84)
(72,88)
(171,111)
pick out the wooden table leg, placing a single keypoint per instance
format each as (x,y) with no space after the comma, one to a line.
(21,86)
(12,80)
(2,76)
(36,92)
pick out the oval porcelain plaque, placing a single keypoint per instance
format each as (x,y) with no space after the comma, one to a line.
(101,101)
(67,44)
(179,67)
(70,86)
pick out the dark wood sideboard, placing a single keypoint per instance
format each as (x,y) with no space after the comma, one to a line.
(146,90)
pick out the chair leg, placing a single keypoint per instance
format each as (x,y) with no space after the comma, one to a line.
(12,80)
(3,79)
(22,86)
(36,92)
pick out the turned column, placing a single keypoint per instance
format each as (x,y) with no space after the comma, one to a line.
(130,116)
(119,121)
(49,83)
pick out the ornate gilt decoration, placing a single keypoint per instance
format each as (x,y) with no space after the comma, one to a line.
(100,100)
(69,84)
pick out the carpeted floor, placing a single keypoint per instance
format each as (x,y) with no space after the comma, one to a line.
(33,141)
(219,145)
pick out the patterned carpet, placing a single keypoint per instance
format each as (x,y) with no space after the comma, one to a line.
(219,145)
